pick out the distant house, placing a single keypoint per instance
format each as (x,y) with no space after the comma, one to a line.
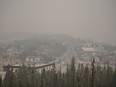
(94,50)
(108,59)
(37,59)
(88,49)
(32,59)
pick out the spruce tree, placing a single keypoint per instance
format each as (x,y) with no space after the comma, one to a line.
(0,81)
(86,77)
(113,81)
(93,72)
(109,74)
(72,72)
(10,79)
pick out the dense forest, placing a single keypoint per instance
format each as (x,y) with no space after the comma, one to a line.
(94,76)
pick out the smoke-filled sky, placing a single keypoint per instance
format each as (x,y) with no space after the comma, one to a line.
(94,19)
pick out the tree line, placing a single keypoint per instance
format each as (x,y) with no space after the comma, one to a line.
(96,76)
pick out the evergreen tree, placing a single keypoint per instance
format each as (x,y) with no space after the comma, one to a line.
(0,81)
(72,72)
(99,77)
(23,76)
(93,72)
(10,79)
(86,77)
(81,77)
(113,81)
(109,74)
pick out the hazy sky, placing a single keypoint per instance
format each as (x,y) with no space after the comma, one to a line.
(95,19)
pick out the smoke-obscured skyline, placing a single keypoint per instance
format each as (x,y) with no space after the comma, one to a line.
(94,19)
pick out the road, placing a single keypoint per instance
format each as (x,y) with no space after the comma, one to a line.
(66,59)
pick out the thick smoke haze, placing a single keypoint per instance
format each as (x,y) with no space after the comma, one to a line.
(94,19)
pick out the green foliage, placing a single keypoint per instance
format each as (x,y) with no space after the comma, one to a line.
(113,81)
(10,79)
(93,72)
(81,77)
(0,81)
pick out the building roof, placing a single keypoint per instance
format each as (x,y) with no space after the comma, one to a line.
(88,49)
